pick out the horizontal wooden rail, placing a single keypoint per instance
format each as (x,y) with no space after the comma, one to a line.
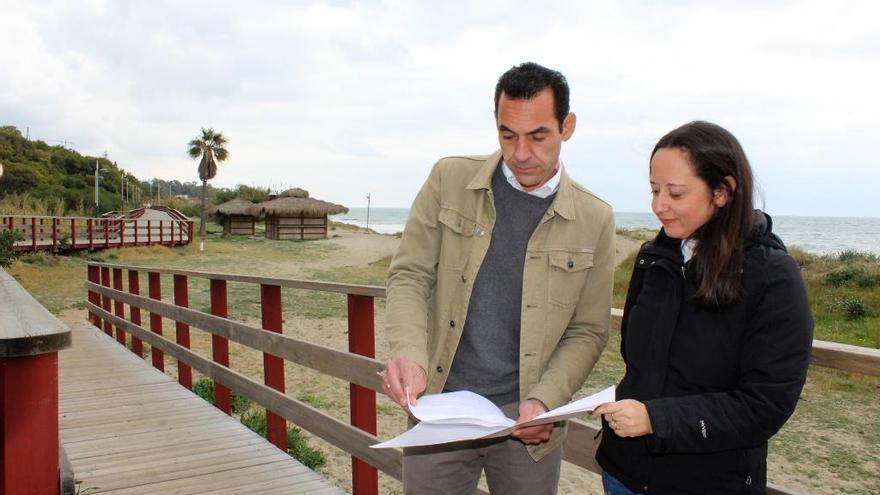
(336,432)
(355,289)
(343,365)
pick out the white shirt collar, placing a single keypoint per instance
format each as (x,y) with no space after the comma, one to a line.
(549,187)
(687,248)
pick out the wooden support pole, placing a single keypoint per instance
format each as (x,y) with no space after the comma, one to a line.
(220,345)
(161,233)
(94,274)
(29,424)
(34,232)
(273,366)
(362,340)
(54,233)
(106,232)
(105,300)
(91,226)
(73,233)
(149,232)
(134,287)
(181,298)
(155,283)
(135,232)
(118,305)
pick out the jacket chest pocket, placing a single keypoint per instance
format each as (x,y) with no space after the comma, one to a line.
(567,274)
(458,236)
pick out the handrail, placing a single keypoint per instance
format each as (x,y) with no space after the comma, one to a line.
(359,370)
(51,233)
(30,338)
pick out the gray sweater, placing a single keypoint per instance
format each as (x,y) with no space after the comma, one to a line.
(487,358)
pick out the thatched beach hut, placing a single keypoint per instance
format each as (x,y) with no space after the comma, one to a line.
(294,215)
(236,216)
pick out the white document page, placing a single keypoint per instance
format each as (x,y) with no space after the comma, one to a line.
(458,416)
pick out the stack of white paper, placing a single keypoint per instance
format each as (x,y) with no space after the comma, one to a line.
(457,416)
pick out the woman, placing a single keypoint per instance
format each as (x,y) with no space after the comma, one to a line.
(716,331)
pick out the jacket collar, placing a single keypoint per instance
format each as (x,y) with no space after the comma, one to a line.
(563,204)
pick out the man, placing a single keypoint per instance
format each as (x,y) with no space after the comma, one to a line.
(501,286)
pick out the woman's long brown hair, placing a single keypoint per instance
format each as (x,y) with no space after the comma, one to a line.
(716,154)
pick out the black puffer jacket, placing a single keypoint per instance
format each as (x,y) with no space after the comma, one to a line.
(717,384)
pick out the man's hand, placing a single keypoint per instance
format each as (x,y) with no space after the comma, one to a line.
(528,409)
(401,374)
(628,417)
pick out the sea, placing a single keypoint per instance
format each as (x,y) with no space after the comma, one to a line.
(817,235)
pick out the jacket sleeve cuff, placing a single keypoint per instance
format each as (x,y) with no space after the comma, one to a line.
(657,415)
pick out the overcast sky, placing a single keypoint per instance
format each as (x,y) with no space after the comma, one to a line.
(348,98)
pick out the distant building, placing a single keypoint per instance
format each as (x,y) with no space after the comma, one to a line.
(294,215)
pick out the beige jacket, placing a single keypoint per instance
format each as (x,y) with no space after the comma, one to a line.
(567,281)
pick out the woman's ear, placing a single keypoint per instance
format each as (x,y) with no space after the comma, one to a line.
(721,195)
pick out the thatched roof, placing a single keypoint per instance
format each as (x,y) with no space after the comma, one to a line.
(236,206)
(295,202)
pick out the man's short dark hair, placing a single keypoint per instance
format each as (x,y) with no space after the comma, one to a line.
(528,79)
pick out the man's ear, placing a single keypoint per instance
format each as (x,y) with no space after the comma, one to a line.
(720,197)
(568,126)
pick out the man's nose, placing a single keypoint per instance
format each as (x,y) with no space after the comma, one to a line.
(523,151)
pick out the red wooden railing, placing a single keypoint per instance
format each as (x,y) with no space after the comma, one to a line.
(41,233)
(105,284)
(356,366)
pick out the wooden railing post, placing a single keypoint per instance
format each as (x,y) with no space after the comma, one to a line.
(72,232)
(161,233)
(135,232)
(220,345)
(54,232)
(118,305)
(105,300)
(106,232)
(91,226)
(134,287)
(34,232)
(94,273)
(149,232)
(156,320)
(362,340)
(181,298)
(273,366)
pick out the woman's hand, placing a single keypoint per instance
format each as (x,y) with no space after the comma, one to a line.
(628,417)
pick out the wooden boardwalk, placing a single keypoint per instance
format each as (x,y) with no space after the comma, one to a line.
(130,429)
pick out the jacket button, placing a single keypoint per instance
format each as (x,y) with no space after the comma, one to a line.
(570,264)
(452,323)
(439,369)
(480,232)
(463,279)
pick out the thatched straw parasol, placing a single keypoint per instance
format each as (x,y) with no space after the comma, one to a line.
(236,206)
(296,202)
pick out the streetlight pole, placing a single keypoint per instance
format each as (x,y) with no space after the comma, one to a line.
(368,211)
(97,170)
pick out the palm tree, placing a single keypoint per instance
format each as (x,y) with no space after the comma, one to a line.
(211,147)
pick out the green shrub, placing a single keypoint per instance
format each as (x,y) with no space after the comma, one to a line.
(867,280)
(842,276)
(204,388)
(296,444)
(851,255)
(853,308)
(7,240)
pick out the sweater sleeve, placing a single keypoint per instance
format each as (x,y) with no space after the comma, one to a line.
(773,364)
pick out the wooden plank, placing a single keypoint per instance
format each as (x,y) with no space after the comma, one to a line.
(26,327)
(127,441)
(349,367)
(846,357)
